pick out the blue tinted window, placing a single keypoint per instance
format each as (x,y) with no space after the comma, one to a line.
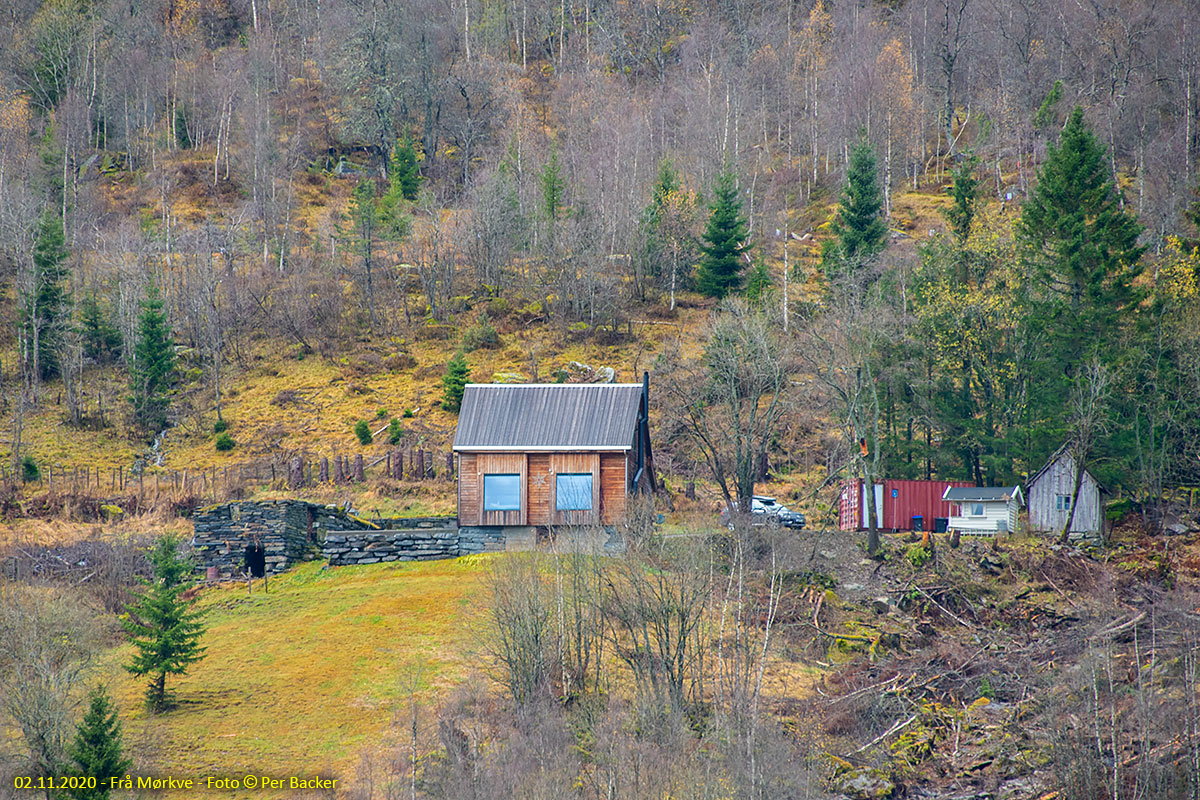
(573,491)
(501,492)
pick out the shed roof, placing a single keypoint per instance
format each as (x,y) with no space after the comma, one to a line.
(1055,457)
(555,416)
(981,494)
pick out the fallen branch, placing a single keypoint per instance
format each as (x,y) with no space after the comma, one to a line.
(883,687)
(1119,628)
(1054,585)
(898,726)
(942,607)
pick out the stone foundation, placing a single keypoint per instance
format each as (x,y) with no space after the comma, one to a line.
(295,530)
(287,530)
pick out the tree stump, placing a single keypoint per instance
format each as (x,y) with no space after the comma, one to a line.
(323,470)
(398,466)
(689,491)
(358,468)
(338,475)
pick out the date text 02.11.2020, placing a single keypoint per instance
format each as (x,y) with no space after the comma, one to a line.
(45,782)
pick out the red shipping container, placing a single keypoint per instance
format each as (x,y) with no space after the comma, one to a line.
(902,500)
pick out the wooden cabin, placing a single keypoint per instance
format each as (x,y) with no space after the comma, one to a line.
(983,510)
(1050,491)
(543,455)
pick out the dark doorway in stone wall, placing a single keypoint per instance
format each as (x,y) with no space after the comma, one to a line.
(256,560)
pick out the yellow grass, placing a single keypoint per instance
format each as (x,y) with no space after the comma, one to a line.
(302,679)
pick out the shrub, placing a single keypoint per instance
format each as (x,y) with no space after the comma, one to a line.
(381,413)
(394,431)
(225,442)
(918,555)
(408,413)
(220,426)
(29,470)
(480,335)
(363,431)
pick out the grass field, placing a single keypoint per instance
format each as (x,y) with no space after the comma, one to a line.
(302,678)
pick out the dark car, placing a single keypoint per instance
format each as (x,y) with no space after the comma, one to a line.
(791,519)
(766,511)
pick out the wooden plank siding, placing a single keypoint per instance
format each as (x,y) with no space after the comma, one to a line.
(503,464)
(541,489)
(1058,479)
(994,512)
(469,500)
(614,486)
(538,471)
(588,463)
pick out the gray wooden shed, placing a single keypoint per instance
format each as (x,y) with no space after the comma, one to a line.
(1050,491)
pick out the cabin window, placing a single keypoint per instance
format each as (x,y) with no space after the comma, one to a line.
(1062,502)
(573,491)
(977,510)
(501,492)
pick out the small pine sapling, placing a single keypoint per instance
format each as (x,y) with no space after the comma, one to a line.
(455,381)
(395,431)
(96,751)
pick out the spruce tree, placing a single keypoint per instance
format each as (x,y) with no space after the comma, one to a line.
(965,192)
(404,181)
(724,241)
(162,625)
(48,311)
(665,184)
(96,752)
(457,375)
(101,339)
(403,172)
(153,371)
(859,229)
(759,282)
(1080,246)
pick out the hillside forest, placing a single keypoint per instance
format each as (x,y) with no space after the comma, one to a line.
(845,239)
(1013,268)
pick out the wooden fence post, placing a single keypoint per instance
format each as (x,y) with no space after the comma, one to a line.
(690,490)
(398,465)
(420,465)
(358,468)
(450,466)
(296,474)
(324,470)
(338,475)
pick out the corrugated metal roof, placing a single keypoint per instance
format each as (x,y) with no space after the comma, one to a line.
(554,416)
(980,493)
